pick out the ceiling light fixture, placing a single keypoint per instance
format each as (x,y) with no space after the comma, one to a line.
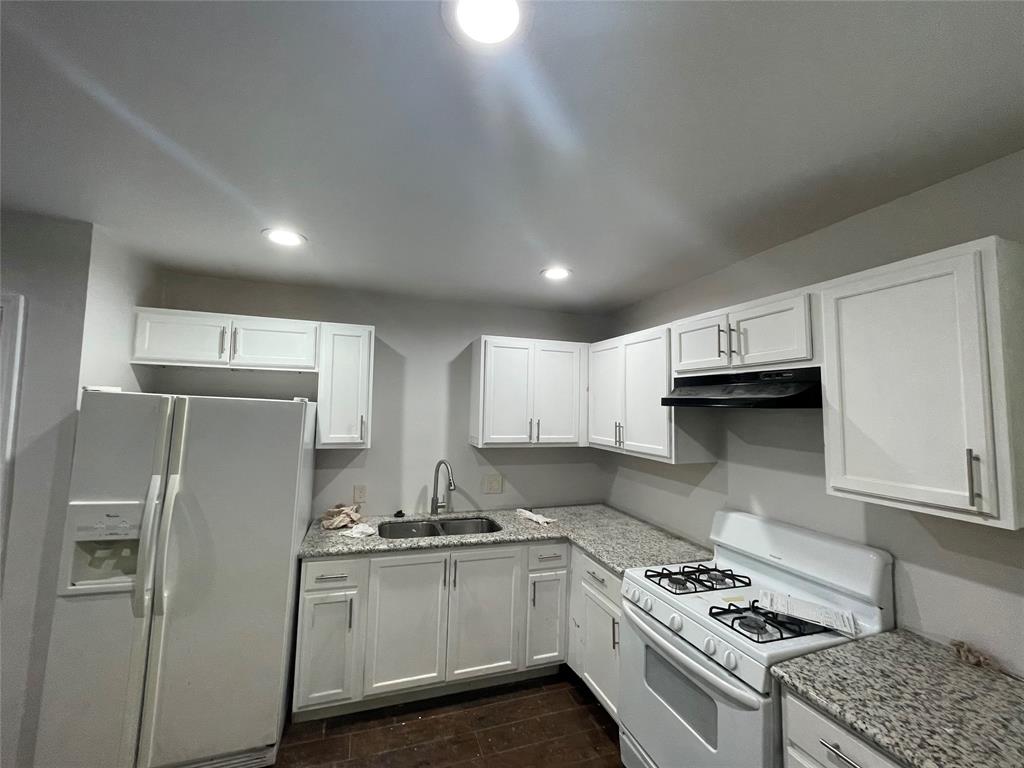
(487,21)
(285,237)
(555,273)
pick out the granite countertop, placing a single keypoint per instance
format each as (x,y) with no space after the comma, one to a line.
(914,699)
(615,540)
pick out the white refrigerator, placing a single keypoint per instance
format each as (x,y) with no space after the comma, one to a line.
(171,638)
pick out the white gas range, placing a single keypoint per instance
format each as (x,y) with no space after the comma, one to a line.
(697,644)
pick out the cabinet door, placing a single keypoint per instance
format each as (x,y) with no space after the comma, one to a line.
(328,667)
(556,392)
(606,380)
(508,392)
(907,415)
(771,333)
(262,342)
(546,618)
(484,610)
(646,423)
(699,344)
(344,388)
(182,338)
(601,648)
(407,622)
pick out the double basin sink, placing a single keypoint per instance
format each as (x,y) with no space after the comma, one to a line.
(411,529)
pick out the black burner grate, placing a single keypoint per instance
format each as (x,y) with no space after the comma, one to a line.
(761,625)
(689,579)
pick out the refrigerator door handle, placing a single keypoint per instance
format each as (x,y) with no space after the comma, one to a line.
(159,599)
(142,594)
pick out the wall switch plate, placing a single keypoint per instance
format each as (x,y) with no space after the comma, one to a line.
(491,483)
(358,494)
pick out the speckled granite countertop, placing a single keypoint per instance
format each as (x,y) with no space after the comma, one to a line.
(615,540)
(914,699)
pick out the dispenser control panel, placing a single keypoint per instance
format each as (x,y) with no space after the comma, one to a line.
(107,523)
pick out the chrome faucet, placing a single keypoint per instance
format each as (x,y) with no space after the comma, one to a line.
(435,503)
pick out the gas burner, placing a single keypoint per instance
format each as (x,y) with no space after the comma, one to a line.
(761,625)
(688,579)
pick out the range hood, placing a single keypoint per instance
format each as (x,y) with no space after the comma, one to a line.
(791,388)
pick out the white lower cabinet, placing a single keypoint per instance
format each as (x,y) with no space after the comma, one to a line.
(381,624)
(595,615)
(546,618)
(407,628)
(330,670)
(484,610)
(815,741)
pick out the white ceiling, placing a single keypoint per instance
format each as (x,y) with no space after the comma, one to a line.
(640,144)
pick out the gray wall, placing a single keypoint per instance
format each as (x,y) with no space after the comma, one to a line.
(953,579)
(421,393)
(47,261)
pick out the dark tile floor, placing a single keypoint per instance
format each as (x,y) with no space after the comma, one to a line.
(554,722)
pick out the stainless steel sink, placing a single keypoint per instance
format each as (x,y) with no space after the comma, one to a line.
(408,529)
(467,525)
(411,529)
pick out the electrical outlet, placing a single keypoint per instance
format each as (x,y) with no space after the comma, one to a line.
(491,483)
(359,494)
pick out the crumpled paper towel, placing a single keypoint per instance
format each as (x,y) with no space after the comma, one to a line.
(535,517)
(340,516)
(360,531)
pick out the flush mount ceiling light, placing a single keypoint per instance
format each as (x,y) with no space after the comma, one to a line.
(555,273)
(285,237)
(487,21)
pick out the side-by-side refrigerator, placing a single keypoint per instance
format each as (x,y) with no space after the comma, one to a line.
(171,637)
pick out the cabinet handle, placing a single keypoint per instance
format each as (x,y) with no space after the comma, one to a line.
(734,350)
(455,574)
(530,438)
(220,340)
(331,577)
(362,426)
(595,577)
(234,342)
(972,493)
(720,332)
(615,635)
(552,556)
(444,579)
(350,601)
(538,430)
(533,598)
(835,750)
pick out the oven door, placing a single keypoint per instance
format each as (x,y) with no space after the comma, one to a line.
(685,711)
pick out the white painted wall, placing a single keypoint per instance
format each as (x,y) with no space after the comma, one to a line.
(953,580)
(46,260)
(118,282)
(421,393)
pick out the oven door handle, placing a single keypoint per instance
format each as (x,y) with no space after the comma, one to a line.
(745,698)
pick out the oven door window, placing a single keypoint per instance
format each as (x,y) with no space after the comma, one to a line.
(694,708)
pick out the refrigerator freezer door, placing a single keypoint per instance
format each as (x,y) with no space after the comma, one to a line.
(221,619)
(92,690)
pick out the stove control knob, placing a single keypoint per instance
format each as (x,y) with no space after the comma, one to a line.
(730,660)
(648,604)
(635,595)
(675,622)
(709,646)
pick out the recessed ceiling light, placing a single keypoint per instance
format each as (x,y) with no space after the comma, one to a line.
(487,21)
(286,237)
(555,273)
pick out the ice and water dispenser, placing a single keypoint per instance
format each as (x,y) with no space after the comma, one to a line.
(101,546)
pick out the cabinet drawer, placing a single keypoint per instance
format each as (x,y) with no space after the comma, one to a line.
(603,581)
(334,574)
(825,741)
(548,556)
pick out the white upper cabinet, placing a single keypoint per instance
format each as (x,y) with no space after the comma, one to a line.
(646,423)
(918,407)
(170,337)
(701,343)
(758,334)
(345,386)
(526,392)
(484,610)
(628,377)
(266,342)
